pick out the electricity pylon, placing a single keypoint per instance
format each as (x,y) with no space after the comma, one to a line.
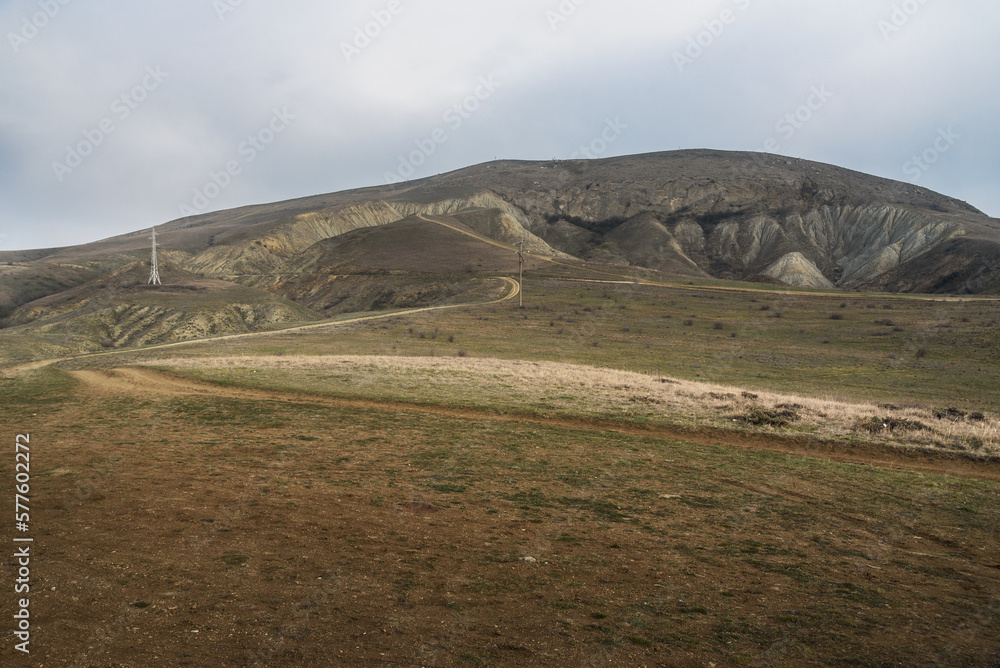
(154,273)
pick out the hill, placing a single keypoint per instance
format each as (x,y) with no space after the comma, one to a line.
(704,214)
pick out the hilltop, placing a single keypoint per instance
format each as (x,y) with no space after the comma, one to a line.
(696,214)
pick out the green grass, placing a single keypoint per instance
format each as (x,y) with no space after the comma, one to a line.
(937,353)
(36,390)
(646,545)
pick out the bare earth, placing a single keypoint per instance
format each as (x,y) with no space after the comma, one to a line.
(187,524)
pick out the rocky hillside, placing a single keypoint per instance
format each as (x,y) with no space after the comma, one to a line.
(120,310)
(702,213)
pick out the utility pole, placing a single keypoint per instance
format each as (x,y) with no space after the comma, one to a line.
(520,275)
(154,272)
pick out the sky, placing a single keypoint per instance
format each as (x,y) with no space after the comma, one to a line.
(116,116)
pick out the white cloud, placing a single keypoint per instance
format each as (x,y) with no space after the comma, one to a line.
(354,119)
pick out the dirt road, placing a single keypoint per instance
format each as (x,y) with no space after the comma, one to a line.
(514,292)
(135,381)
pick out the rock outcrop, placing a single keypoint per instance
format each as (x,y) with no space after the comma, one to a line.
(693,213)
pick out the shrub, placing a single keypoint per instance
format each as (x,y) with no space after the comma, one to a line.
(952,414)
(836,316)
(719,325)
(877,425)
(769,418)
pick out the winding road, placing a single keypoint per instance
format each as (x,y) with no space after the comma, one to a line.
(515,290)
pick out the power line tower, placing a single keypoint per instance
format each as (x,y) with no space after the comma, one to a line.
(154,273)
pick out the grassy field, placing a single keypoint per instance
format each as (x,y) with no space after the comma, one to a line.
(262,531)
(878,348)
(500,486)
(549,389)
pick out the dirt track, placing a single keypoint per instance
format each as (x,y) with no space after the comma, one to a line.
(514,292)
(135,381)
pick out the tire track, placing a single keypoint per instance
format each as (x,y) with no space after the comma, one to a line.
(134,381)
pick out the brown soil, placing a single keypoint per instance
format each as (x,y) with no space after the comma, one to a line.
(183,524)
(148,381)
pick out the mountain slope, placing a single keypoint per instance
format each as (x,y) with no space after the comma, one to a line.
(693,213)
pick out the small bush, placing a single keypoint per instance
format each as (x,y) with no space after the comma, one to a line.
(836,316)
(463,353)
(688,323)
(877,425)
(952,414)
(769,418)
(977,417)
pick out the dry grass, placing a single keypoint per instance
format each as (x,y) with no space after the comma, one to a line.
(549,388)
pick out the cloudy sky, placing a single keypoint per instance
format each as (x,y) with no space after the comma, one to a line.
(115,116)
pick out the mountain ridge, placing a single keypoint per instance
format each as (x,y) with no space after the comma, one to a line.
(698,213)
